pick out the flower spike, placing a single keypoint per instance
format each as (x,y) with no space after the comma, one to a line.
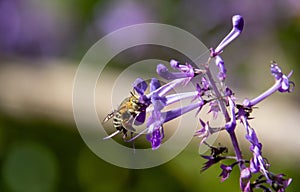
(152,104)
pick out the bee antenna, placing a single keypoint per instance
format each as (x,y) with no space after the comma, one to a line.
(132,94)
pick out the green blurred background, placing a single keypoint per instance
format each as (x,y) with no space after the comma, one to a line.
(42,43)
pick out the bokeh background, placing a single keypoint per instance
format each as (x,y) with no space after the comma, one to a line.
(42,43)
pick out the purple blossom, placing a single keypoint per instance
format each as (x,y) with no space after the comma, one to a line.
(185,71)
(257,162)
(200,92)
(280,183)
(245,180)
(286,84)
(214,108)
(229,93)
(205,84)
(155,129)
(140,86)
(159,98)
(156,120)
(222,70)
(164,72)
(206,131)
(237,28)
(282,84)
(226,170)
(202,88)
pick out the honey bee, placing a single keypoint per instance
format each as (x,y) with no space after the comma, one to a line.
(129,112)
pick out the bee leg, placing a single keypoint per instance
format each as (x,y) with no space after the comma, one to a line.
(124,133)
(111,135)
(131,129)
(133,145)
(131,138)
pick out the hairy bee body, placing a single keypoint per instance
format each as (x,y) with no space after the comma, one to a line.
(124,116)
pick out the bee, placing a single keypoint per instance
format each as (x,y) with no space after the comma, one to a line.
(129,112)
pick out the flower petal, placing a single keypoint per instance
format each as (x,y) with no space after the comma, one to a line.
(140,86)
(156,138)
(226,170)
(237,28)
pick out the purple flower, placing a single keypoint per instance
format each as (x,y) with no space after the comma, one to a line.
(257,163)
(279,183)
(222,70)
(156,137)
(140,86)
(158,98)
(245,180)
(214,108)
(206,131)
(202,88)
(286,84)
(156,120)
(237,28)
(282,84)
(164,72)
(205,84)
(226,170)
(200,92)
(185,71)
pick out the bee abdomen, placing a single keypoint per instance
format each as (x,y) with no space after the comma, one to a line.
(117,121)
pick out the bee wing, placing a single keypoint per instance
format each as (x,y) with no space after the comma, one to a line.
(127,124)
